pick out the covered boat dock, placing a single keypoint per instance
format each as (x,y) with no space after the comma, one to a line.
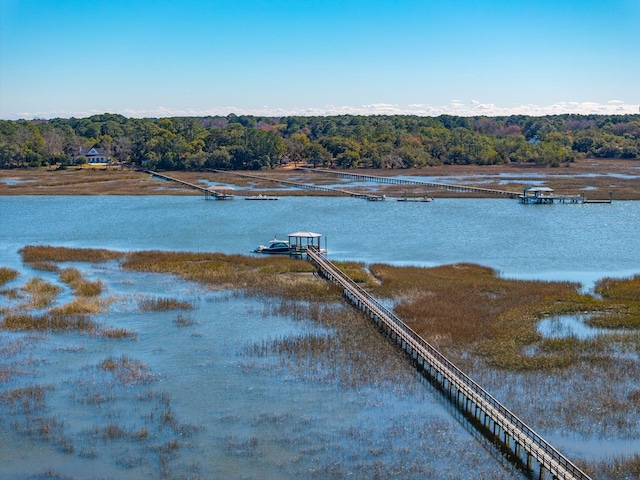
(300,242)
(545,195)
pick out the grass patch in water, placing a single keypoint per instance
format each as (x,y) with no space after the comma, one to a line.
(47,253)
(127,371)
(270,276)
(81,287)
(47,322)
(7,274)
(78,306)
(41,293)
(162,304)
(117,333)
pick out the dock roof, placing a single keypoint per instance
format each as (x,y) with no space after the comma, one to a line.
(305,235)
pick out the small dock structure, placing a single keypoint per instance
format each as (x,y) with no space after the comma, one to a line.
(546,196)
(301,242)
(424,198)
(218,193)
(298,245)
(491,417)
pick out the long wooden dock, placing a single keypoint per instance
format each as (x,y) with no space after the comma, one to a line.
(506,428)
(304,186)
(404,181)
(208,191)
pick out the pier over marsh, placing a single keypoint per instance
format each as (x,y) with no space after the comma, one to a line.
(596,177)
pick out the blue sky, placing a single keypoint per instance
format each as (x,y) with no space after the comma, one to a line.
(62,58)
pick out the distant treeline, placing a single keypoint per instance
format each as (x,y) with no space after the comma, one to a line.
(345,141)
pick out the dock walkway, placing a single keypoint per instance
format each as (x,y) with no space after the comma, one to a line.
(468,396)
(208,191)
(404,181)
(304,186)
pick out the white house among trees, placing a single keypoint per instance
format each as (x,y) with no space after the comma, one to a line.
(94,156)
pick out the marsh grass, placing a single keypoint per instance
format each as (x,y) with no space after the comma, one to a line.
(475,317)
(469,307)
(41,293)
(45,266)
(45,253)
(270,276)
(12,293)
(118,333)
(623,298)
(328,356)
(150,304)
(81,287)
(183,321)
(128,371)
(30,399)
(7,274)
(80,306)
(48,322)
(617,467)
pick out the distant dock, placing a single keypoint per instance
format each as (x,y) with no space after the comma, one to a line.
(403,181)
(546,196)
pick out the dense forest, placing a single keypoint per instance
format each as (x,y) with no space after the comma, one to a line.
(252,143)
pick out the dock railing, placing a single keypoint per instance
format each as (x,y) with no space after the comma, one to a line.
(547,456)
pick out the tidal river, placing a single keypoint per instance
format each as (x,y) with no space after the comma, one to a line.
(202,405)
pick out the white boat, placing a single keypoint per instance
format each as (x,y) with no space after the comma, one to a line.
(275,246)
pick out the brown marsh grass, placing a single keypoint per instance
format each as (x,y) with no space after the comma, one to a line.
(271,276)
(41,293)
(485,323)
(7,274)
(81,286)
(329,357)
(47,322)
(79,306)
(46,253)
(469,307)
(624,297)
(31,397)
(118,333)
(162,304)
(80,181)
(117,181)
(127,370)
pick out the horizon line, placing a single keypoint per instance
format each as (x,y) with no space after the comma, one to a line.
(455,108)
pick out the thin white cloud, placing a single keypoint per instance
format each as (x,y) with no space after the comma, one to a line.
(455,107)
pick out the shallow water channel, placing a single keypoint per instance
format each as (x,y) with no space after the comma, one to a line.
(198,403)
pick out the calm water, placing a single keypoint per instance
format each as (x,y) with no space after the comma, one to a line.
(568,242)
(237,416)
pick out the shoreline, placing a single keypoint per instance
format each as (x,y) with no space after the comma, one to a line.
(594,178)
